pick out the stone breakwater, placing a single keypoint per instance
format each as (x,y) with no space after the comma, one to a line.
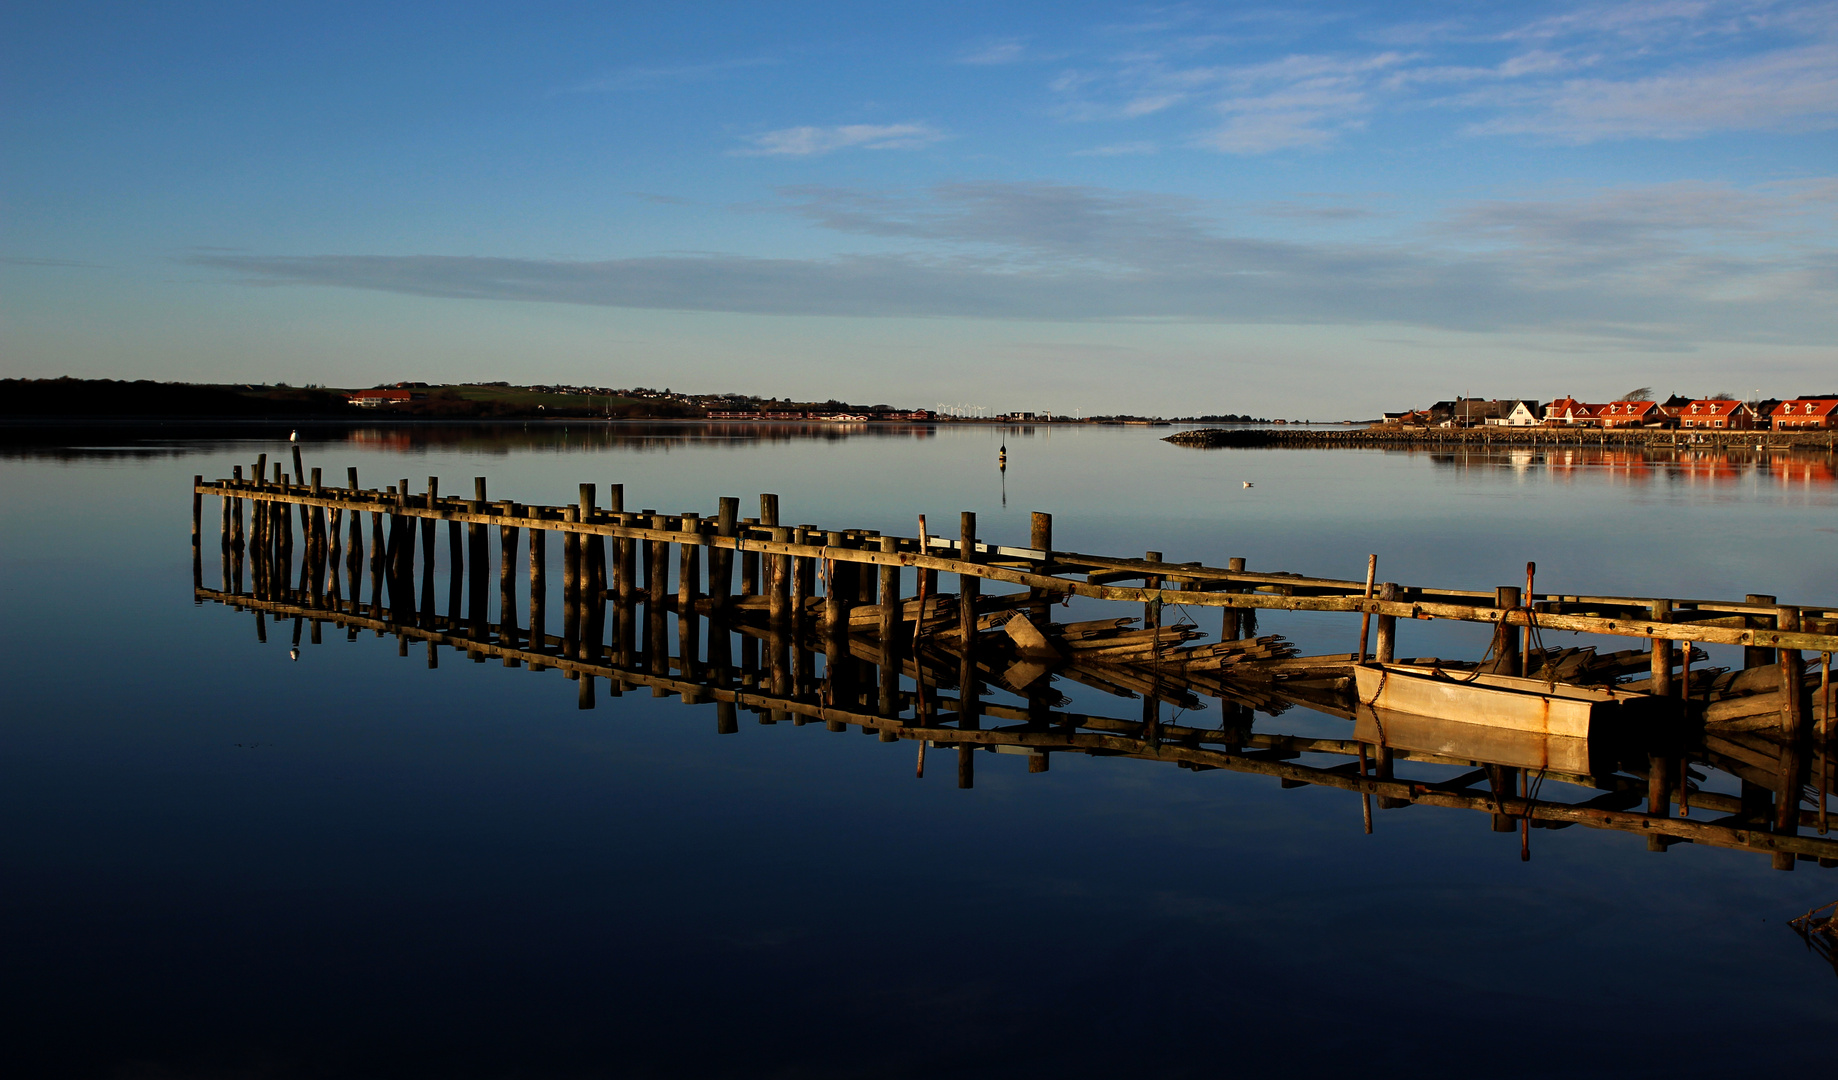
(1220,437)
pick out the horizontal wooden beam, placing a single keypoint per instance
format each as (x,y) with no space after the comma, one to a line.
(910,556)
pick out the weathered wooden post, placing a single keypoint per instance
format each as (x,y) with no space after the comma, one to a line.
(1755,655)
(1796,733)
(428,614)
(1236,624)
(968,584)
(778,583)
(539,586)
(593,554)
(456,569)
(1506,598)
(689,567)
(1040,538)
(236,515)
(721,560)
(838,592)
(1661,667)
(1386,645)
(625,555)
(658,568)
(571,586)
(804,571)
(751,583)
(1365,616)
(966,765)
(480,558)
(889,632)
(507,579)
(801,586)
(1152,608)
(406,523)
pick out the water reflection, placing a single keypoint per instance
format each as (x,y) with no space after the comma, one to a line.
(1634,466)
(849,656)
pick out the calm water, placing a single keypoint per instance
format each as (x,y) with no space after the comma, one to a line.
(223,862)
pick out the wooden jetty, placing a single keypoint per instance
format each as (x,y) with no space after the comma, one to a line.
(870,606)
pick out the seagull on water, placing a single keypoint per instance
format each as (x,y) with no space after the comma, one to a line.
(1248,483)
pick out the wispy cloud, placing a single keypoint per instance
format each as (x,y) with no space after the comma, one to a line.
(22,260)
(1118,150)
(1667,69)
(1668,266)
(809,141)
(998,51)
(1782,90)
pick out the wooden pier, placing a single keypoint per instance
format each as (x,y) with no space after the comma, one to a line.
(870,606)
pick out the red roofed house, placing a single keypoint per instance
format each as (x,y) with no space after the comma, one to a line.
(1568,410)
(1728,415)
(372,399)
(1631,414)
(1803,414)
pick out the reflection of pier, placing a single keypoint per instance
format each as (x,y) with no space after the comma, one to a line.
(849,628)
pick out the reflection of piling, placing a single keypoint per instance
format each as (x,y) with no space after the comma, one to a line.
(1762,718)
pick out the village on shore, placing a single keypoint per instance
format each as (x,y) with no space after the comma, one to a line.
(1637,410)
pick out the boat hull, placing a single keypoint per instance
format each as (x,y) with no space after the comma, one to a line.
(1496,701)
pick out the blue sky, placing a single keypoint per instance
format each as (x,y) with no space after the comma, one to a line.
(1314,210)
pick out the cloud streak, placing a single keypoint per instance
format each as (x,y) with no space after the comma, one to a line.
(813,141)
(1059,253)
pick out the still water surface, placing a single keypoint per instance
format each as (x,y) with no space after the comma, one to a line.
(222,862)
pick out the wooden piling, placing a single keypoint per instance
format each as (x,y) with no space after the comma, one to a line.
(1385,645)
(966,765)
(1795,732)
(689,568)
(657,565)
(1365,617)
(478,555)
(1757,655)
(507,577)
(539,587)
(1152,607)
(625,560)
(1506,635)
(1233,626)
(1661,667)
(571,585)
(778,581)
(1040,538)
(836,593)
(968,584)
(888,625)
(721,560)
(804,574)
